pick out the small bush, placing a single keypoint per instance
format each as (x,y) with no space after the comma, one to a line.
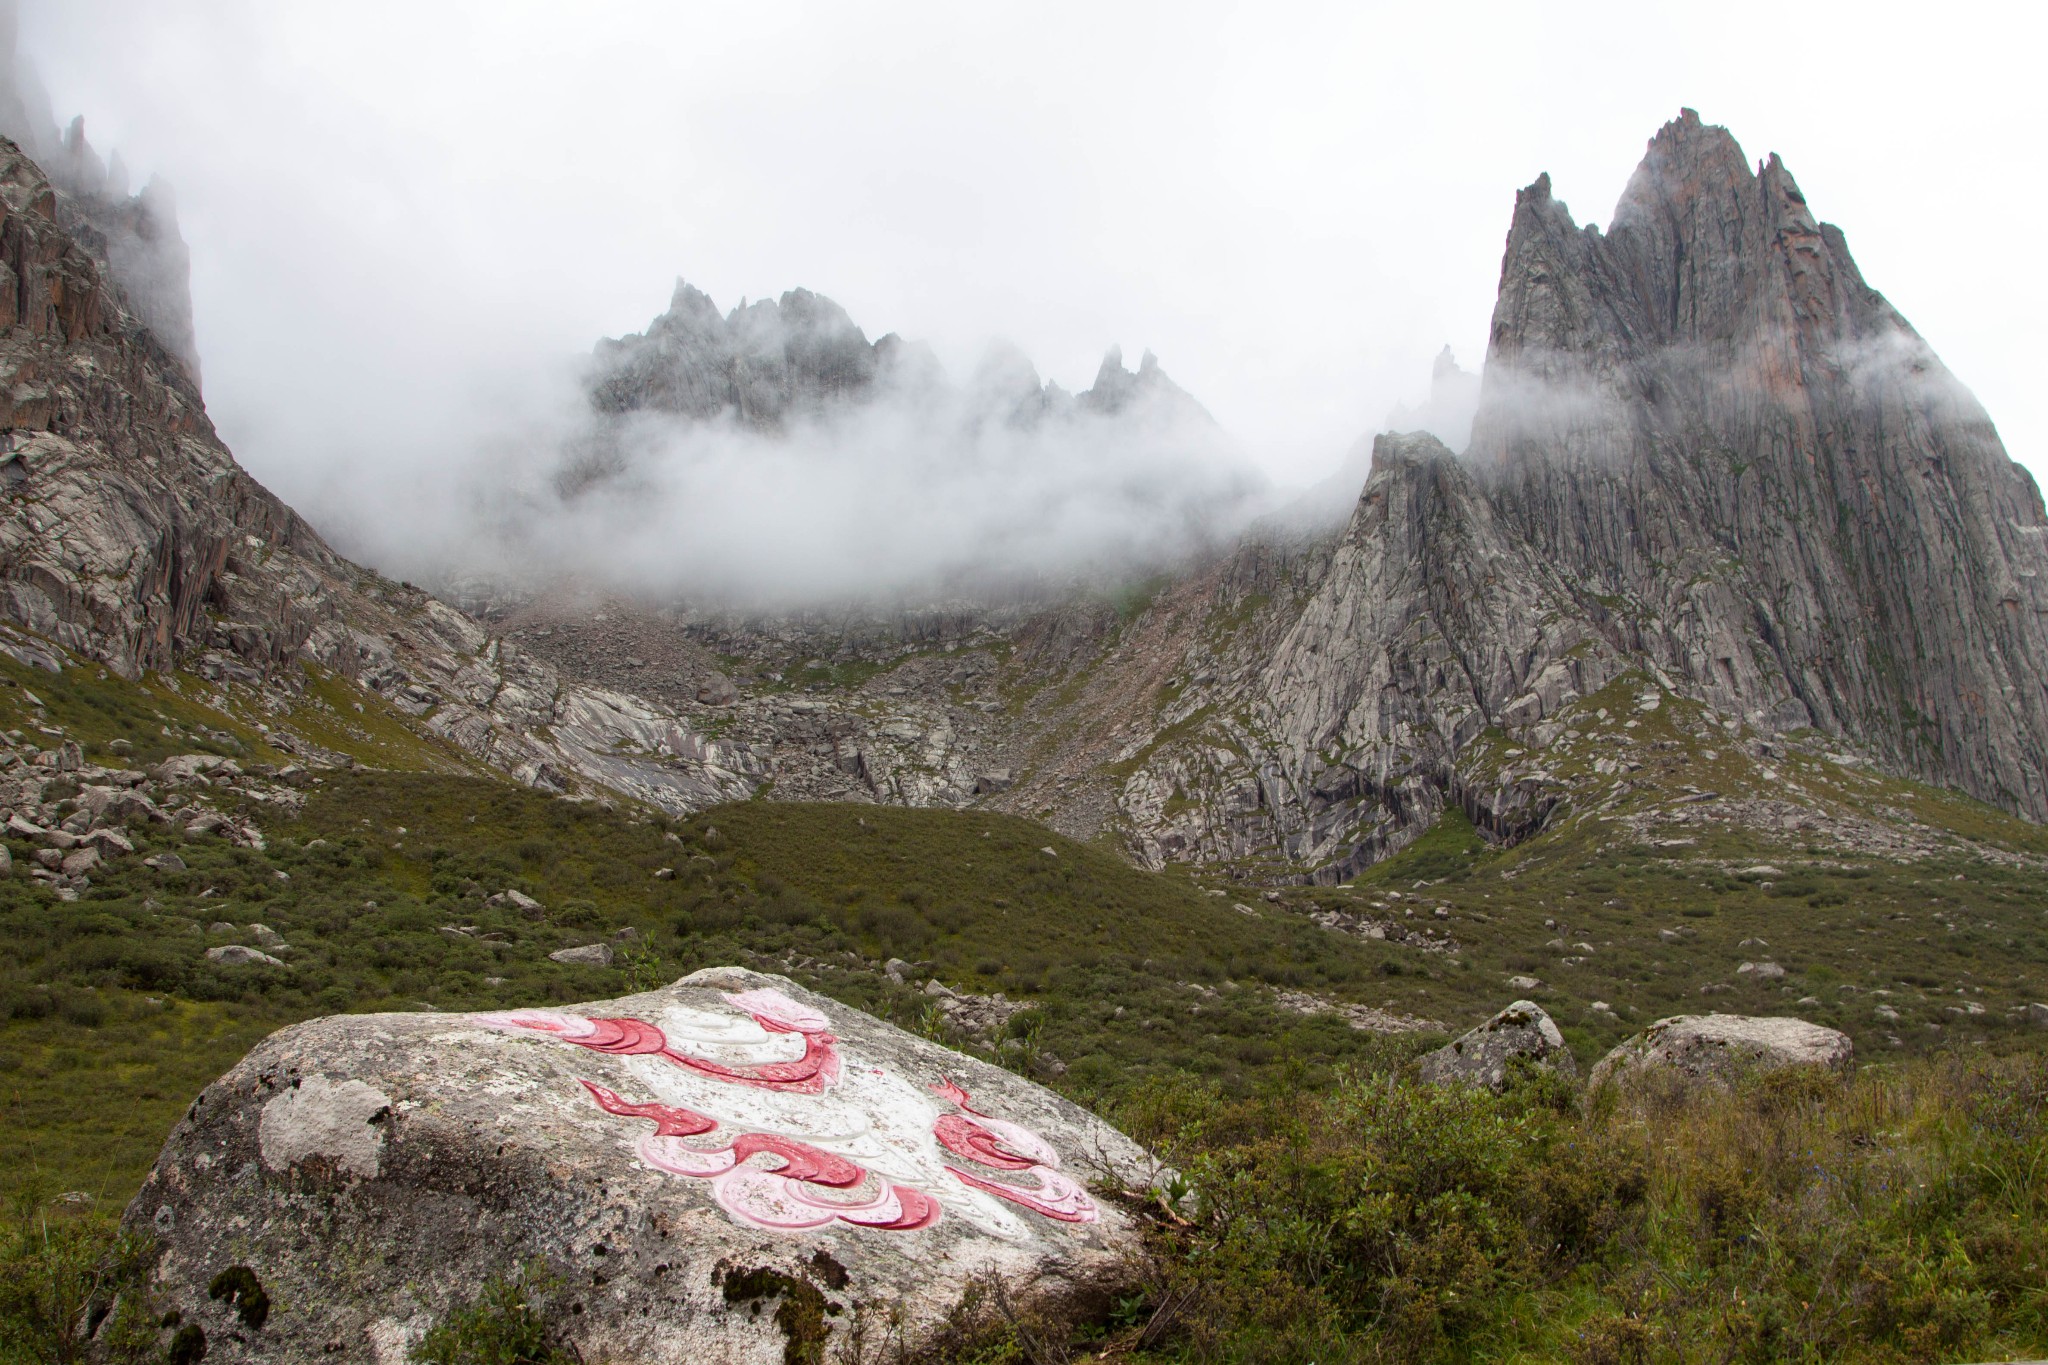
(71,1289)
(505,1325)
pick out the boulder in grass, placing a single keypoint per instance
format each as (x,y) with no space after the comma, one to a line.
(1721,1047)
(729,1169)
(1484,1056)
(589,955)
(237,955)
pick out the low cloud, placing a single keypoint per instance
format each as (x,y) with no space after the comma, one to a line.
(743,459)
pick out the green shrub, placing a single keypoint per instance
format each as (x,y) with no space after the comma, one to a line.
(71,1289)
(1896,1216)
(506,1324)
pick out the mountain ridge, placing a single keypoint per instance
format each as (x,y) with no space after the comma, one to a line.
(1297,706)
(1813,522)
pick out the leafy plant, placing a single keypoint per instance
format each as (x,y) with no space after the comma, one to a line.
(505,1324)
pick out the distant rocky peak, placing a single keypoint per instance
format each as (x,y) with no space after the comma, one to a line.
(762,365)
(1006,387)
(1117,391)
(771,362)
(1707,413)
(1447,413)
(690,309)
(1688,162)
(136,235)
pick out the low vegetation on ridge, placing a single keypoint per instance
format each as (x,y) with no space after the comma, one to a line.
(1335,1209)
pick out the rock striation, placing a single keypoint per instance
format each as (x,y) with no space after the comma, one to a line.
(1706,455)
(1710,469)
(129,535)
(731,1168)
(1759,477)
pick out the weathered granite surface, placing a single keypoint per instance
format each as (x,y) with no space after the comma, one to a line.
(688,1163)
(1723,1047)
(1757,475)
(1483,1056)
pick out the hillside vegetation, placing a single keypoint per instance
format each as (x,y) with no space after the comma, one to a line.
(1338,1210)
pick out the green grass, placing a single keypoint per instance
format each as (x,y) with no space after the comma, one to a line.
(1899,1215)
(162,715)
(1344,1213)
(1930,939)
(1132,974)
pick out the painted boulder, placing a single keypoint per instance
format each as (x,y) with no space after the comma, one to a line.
(1720,1047)
(727,1169)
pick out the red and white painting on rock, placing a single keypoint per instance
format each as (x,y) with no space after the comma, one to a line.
(791,1134)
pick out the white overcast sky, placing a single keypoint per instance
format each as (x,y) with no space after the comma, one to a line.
(403,212)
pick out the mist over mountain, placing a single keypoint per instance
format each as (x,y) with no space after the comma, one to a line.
(1667,661)
(137,233)
(773,453)
(1706,455)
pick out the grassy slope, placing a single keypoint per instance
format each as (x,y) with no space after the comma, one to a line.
(1132,974)
(1154,998)
(119,976)
(1931,936)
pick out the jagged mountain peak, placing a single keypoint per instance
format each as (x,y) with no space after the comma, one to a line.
(1117,390)
(1709,465)
(1707,414)
(770,362)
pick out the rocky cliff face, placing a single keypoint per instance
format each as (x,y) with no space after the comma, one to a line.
(128,522)
(1708,456)
(134,235)
(1756,473)
(764,364)
(129,535)
(1714,477)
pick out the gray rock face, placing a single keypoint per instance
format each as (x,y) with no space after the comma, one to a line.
(763,364)
(1722,1047)
(129,534)
(589,955)
(682,1160)
(1705,452)
(238,955)
(1432,622)
(1708,417)
(1744,480)
(1483,1056)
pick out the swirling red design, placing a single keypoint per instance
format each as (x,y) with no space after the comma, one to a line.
(962,1136)
(669,1120)
(809,1188)
(1005,1146)
(806,1075)
(805,1186)
(779,1182)
(623,1037)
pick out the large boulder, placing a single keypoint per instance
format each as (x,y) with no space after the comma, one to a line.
(1720,1047)
(1483,1056)
(723,1170)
